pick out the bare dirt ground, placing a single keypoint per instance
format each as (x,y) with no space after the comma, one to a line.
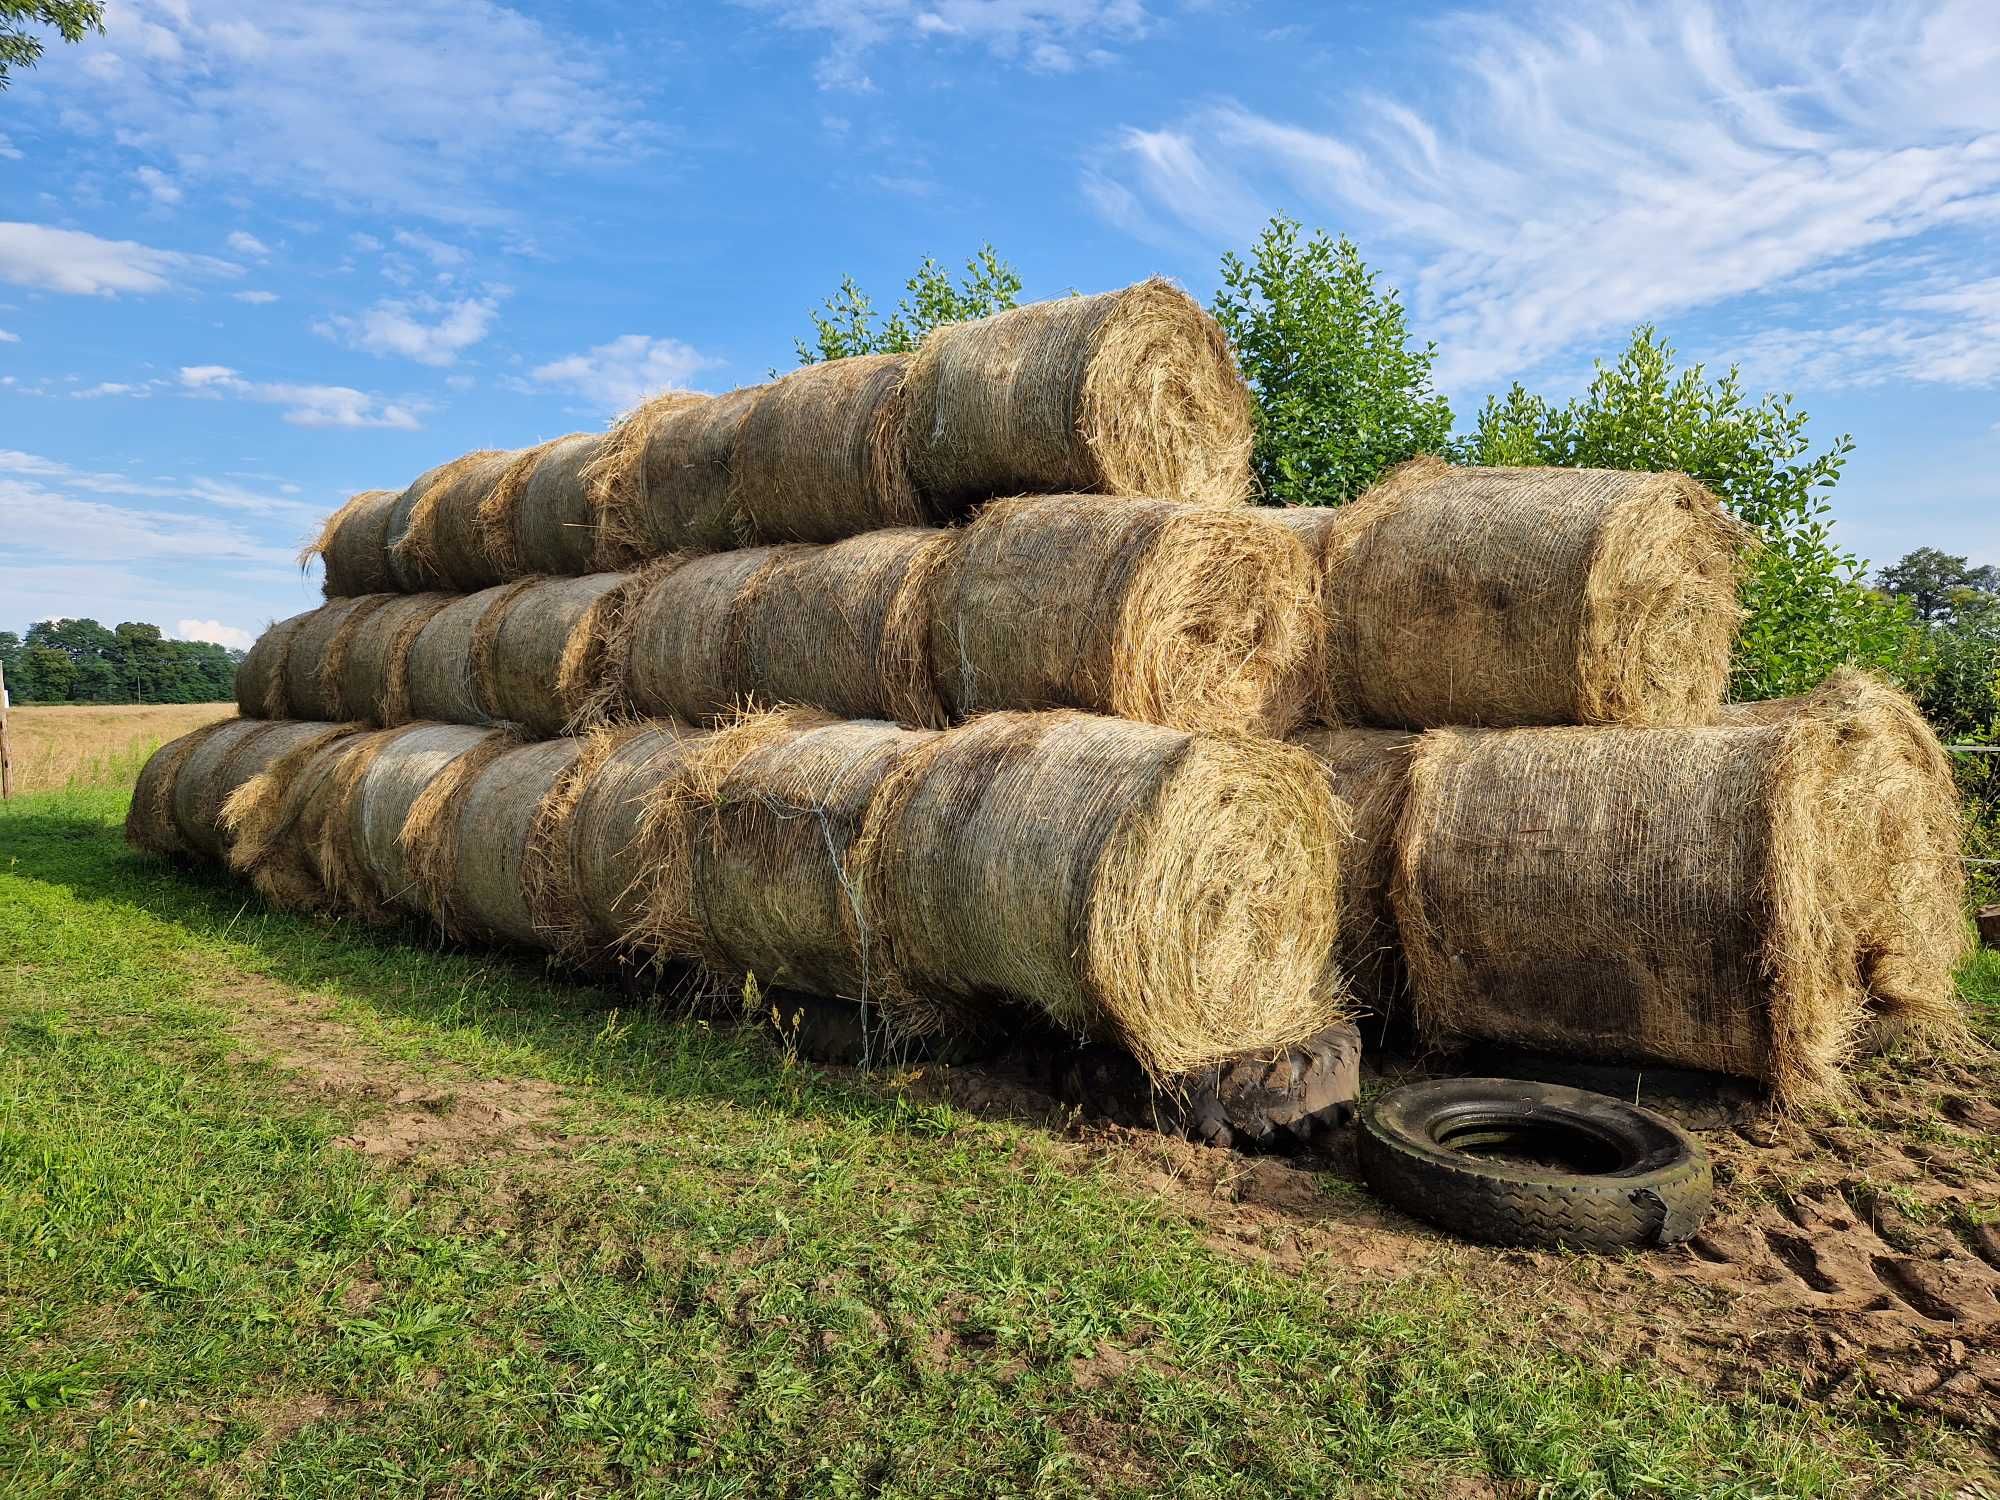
(1858,1256)
(56,744)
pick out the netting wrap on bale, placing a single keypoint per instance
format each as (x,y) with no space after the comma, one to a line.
(662,481)
(435,537)
(1692,896)
(821,453)
(538,518)
(1126,393)
(276,820)
(353,545)
(313,652)
(1176,892)
(1528,596)
(441,671)
(150,824)
(1196,618)
(369,676)
(542,660)
(206,779)
(1368,770)
(261,691)
(363,855)
(1892,803)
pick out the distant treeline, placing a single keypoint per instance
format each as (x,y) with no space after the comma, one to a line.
(79,661)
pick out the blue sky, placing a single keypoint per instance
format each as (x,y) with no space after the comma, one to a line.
(256,254)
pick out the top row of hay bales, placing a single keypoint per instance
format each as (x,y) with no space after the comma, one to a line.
(1132,392)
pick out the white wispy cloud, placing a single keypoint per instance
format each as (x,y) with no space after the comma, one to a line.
(425,329)
(215,631)
(9,338)
(69,260)
(256,298)
(625,371)
(429,108)
(304,405)
(1588,169)
(161,188)
(245,243)
(1050,36)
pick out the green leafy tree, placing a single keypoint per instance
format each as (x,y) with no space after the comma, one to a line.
(1342,394)
(22,48)
(848,325)
(1808,608)
(1932,581)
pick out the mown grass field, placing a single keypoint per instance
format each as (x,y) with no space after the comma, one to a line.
(306,1210)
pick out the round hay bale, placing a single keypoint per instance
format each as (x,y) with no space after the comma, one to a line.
(467,837)
(661,481)
(1368,770)
(1673,895)
(329,824)
(538,518)
(369,669)
(1892,803)
(442,685)
(821,454)
(261,691)
(1530,596)
(534,672)
(276,819)
(363,854)
(679,653)
(150,825)
(218,766)
(1177,893)
(1125,393)
(1188,616)
(435,540)
(843,628)
(309,694)
(774,889)
(353,546)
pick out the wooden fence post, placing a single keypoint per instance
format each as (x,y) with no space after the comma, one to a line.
(6,750)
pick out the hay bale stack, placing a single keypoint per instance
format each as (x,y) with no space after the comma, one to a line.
(1176,892)
(1683,896)
(353,546)
(542,660)
(782,800)
(662,483)
(220,764)
(442,682)
(150,825)
(821,454)
(538,517)
(314,651)
(1530,596)
(368,671)
(1192,617)
(1368,770)
(261,691)
(466,838)
(435,537)
(362,856)
(1893,805)
(1125,393)
(276,820)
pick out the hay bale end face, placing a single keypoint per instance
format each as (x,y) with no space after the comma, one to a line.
(369,672)
(1191,617)
(467,846)
(538,518)
(440,677)
(319,639)
(364,834)
(1125,393)
(1368,770)
(678,655)
(1683,896)
(150,824)
(1530,596)
(1177,893)
(821,454)
(276,819)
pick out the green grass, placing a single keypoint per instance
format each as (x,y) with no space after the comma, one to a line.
(737,1277)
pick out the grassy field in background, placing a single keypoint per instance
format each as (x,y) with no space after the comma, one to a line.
(82,744)
(304,1210)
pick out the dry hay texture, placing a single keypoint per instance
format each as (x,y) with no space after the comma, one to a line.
(362,856)
(1196,618)
(313,652)
(261,691)
(537,518)
(1368,770)
(368,671)
(1126,393)
(434,533)
(1892,803)
(1175,892)
(276,819)
(661,481)
(782,799)
(150,825)
(440,674)
(820,455)
(544,651)
(214,769)
(1530,596)
(353,545)
(1693,896)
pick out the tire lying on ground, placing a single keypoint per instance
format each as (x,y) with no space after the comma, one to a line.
(1598,1174)
(1125,393)
(1526,596)
(1174,892)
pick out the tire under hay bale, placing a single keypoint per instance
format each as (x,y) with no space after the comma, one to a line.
(538,517)
(661,482)
(1892,802)
(261,691)
(1528,596)
(1682,896)
(466,837)
(435,539)
(310,693)
(539,666)
(1192,617)
(1126,393)
(782,801)
(821,454)
(1368,770)
(369,673)
(1175,892)
(353,546)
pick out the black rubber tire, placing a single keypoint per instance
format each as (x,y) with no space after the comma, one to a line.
(1648,1184)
